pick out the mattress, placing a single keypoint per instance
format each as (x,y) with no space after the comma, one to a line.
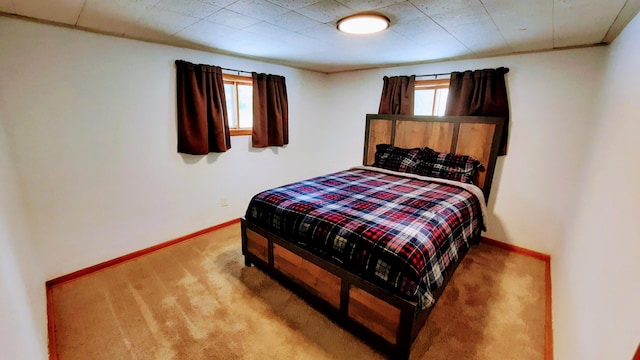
(400,231)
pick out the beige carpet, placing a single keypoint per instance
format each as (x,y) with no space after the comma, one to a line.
(197,300)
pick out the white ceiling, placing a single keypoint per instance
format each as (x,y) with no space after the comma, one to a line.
(303,33)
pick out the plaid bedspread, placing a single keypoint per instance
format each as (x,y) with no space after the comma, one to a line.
(402,233)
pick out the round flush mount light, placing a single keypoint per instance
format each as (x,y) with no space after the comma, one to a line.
(365,23)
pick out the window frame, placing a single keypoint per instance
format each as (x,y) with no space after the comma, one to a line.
(432,84)
(235,80)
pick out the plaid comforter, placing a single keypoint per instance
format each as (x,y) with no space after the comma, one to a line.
(402,233)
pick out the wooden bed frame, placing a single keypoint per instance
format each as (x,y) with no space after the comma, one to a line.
(384,320)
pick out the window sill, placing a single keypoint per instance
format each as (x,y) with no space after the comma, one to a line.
(240,132)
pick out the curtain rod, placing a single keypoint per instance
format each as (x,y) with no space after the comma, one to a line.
(238,71)
(506,70)
(434,75)
(227,69)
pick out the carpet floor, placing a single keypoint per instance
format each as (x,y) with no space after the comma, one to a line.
(197,300)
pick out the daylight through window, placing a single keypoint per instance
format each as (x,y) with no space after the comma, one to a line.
(238,91)
(431,97)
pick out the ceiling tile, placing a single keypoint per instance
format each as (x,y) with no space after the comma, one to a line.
(293,21)
(166,21)
(529,39)
(518,14)
(294,41)
(210,34)
(367,50)
(437,44)
(570,27)
(260,9)
(297,43)
(233,19)
(367,5)
(419,25)
(112,16)
(206,30)
(193,8)
(435,7)
(525,26)
(326,33)
(267,30)
(325,11)
(294,4)
(217,3)
(472,14)
(65,12)
(480,37)
(241,47)
(146,3)
(269,48)
(404,11)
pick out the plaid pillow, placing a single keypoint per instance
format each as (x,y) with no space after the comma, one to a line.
(397,159)
(447,166)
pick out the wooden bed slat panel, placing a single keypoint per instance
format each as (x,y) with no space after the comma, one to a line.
(379,316)
(380,132)
(413,134)
(319,281)
(475,140)
(258,245)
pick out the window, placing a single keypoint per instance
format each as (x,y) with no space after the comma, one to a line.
(431,97)
(238,91)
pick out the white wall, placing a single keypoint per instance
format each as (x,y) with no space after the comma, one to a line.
(534,186)
(596,279)
(92,119)
(23,321)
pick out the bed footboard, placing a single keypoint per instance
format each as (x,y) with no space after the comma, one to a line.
(385,321)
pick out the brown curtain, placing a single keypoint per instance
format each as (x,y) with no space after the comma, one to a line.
(480,93)
(203,126)
(397,95)
(270,111)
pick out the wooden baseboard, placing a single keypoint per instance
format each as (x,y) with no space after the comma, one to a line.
(548,320)
(51,326)
(517,249)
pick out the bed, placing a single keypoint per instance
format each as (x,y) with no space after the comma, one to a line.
(373,247)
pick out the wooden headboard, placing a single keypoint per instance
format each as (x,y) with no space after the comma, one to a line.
(475,136)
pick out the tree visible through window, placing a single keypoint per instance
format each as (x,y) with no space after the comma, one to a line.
(238,91)
(431,97)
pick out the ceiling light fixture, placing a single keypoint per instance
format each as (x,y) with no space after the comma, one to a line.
(364,23)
